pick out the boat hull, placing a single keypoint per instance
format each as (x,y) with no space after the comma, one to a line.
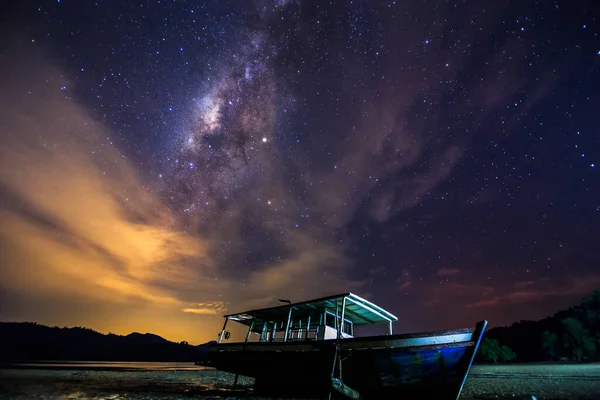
(433,363)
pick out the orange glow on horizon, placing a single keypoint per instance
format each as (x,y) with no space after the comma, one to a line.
(86,243)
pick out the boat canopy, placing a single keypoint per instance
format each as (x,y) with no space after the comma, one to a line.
(358,311)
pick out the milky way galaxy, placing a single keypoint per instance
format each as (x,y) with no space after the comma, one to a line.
(231,121)
(164,163)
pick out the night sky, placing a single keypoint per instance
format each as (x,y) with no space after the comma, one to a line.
(165,162)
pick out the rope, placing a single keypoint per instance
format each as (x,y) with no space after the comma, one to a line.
(340,362)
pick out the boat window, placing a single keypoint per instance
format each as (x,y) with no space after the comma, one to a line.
(330,321)
(347,328)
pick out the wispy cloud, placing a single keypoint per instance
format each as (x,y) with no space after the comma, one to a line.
(447,271)
(531,292)
(79,222)
(208,308)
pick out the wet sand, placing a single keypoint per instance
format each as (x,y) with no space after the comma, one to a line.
(545,381)
(103,382)
(185,381)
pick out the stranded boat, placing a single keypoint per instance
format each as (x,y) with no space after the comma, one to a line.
(308,349)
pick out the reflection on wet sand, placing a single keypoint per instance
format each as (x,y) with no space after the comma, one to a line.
(158,381)
(108,365)
(112,380)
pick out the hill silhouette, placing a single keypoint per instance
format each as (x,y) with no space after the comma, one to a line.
(28,341)
(572,334)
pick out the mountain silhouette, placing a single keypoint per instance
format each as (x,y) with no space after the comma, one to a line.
(28,341)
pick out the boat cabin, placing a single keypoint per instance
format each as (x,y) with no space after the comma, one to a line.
(320,319)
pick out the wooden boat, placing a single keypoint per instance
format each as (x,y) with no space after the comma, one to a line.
(308,349)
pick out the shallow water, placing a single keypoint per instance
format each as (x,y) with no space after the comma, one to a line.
(110,365)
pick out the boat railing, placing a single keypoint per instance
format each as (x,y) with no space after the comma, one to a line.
(304,334)
(319,332)
(295,335)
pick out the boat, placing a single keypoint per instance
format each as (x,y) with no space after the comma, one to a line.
(309,349)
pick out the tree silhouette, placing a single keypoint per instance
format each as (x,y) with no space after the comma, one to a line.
(577,339)
(591,310)
(550,344)
(491,350)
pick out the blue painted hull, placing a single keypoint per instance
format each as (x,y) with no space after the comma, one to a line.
(408,373)
(397,366)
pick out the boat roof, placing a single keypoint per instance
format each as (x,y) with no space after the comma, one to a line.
(358,311)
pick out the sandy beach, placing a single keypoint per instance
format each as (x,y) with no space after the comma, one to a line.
(185,381)
(545,381)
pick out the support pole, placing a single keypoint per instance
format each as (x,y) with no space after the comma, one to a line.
(235,381)
(390,328)
(339,334)
(263,334)
(336,324)
(249,331)
(287,326)
(308,327)
(339,325)
(223,331)
(273,332)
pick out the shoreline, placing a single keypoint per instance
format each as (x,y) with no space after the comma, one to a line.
(104,366)
(137,365)
(516,381)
